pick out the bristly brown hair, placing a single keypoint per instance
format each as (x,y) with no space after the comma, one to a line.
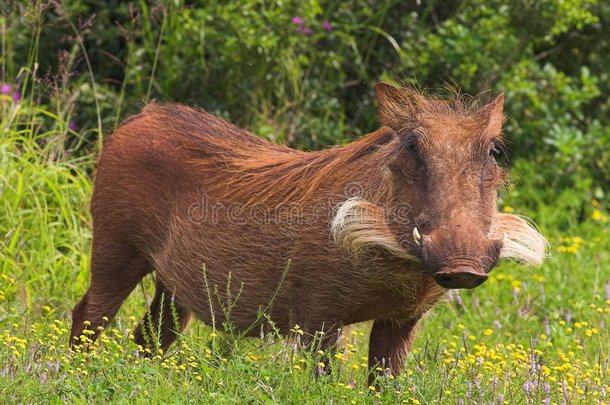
(402,108)
(262,172)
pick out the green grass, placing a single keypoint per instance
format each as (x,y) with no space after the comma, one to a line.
(526,336)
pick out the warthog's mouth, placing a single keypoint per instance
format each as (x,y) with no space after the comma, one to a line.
(459,277)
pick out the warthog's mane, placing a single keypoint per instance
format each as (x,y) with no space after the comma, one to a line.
(260,172)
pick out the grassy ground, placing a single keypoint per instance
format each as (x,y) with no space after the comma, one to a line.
(526,336)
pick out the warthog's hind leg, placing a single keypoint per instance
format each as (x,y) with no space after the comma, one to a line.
(116,268)
(163,321)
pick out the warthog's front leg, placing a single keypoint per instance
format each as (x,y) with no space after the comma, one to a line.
(389,344)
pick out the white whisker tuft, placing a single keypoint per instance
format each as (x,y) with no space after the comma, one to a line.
(521,240)
(359,225)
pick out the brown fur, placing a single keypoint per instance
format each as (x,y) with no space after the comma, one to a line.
(235,226)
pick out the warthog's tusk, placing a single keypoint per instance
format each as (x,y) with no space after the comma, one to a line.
(416,236)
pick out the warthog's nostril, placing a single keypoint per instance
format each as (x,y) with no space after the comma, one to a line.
(461,277)
(444,279)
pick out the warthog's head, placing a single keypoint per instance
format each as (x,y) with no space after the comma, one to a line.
(442,166)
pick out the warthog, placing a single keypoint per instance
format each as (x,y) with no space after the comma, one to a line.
(378,229)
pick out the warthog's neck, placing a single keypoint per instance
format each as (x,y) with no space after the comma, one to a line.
(389,292)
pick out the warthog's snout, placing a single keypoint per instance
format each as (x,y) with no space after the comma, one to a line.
(458,260)
(460,277)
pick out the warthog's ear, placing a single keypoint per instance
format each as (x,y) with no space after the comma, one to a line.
(491,114)
(397,107)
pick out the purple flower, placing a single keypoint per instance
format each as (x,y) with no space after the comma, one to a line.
(326,25)
(297,20)
(305,31)
(72,126)
(5,88)
(16,96)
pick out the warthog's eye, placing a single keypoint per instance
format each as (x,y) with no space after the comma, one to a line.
(407,162)
(410,143)
(495,150)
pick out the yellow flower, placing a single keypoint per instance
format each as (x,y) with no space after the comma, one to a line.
(538,278)
(597,215)
(488,332)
